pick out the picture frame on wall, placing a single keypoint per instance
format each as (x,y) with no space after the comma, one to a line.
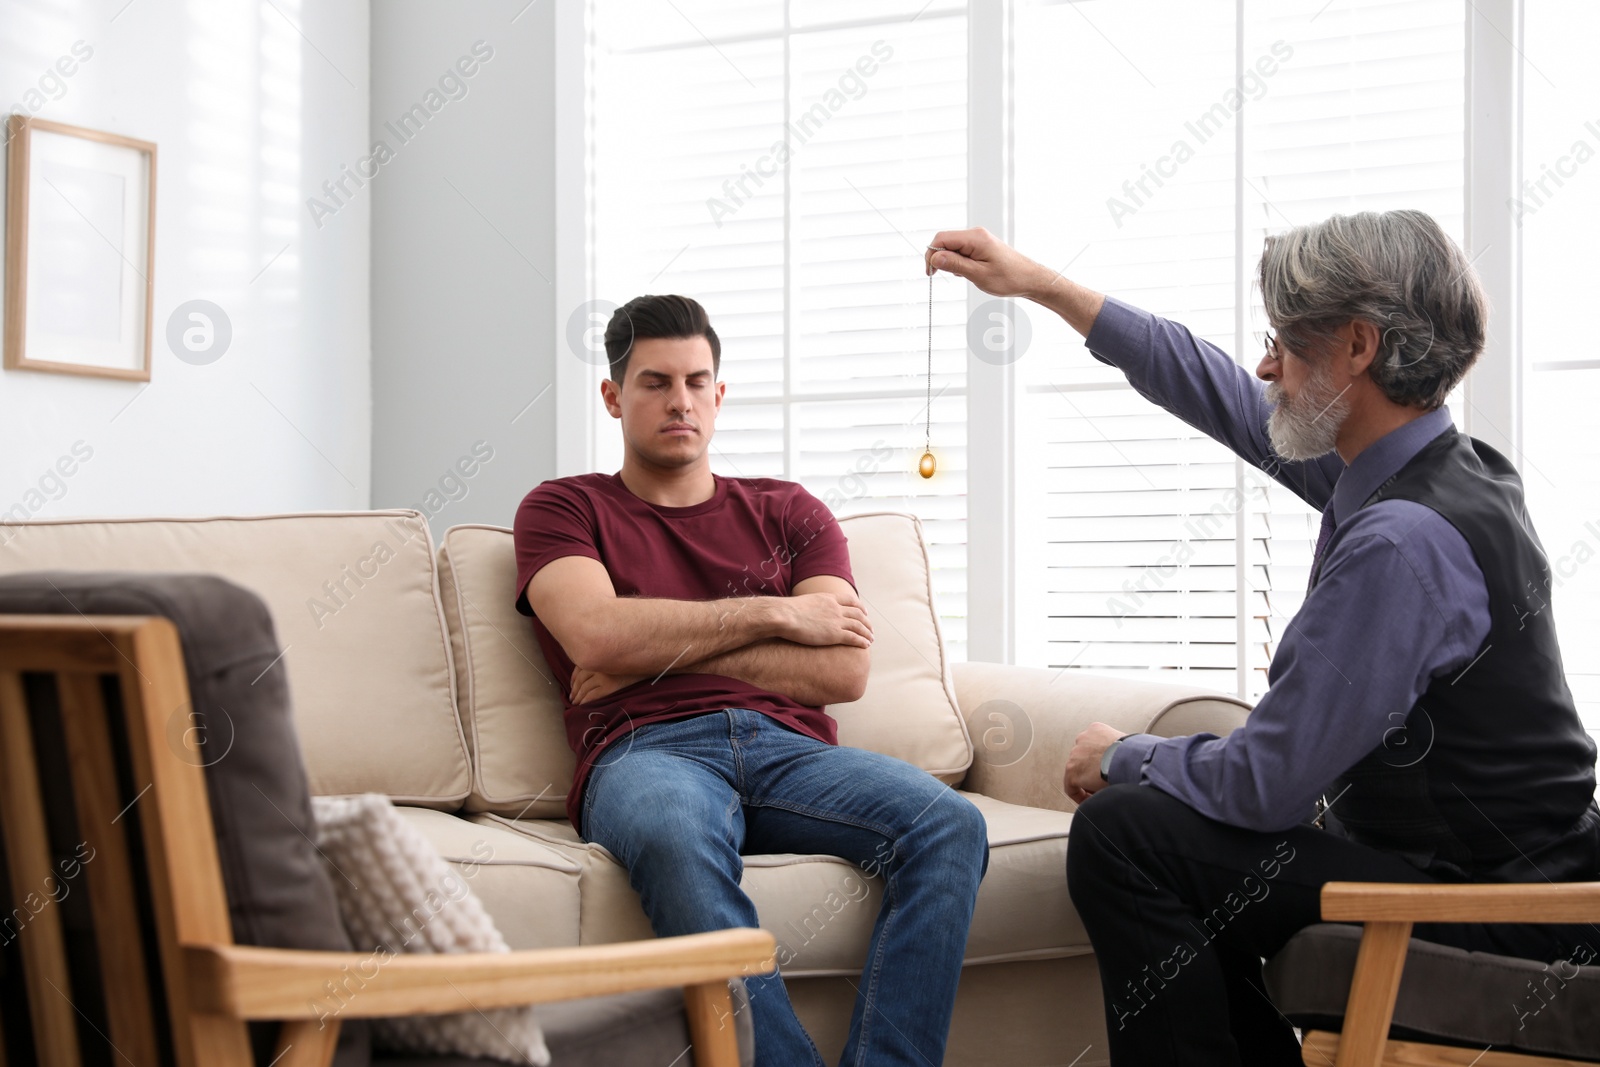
(80,250)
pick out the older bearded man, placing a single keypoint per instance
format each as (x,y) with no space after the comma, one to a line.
(1419,689)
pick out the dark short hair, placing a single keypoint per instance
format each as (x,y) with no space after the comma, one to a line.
(645,317)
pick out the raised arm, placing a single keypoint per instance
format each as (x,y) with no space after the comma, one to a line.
(1164,362)
(622,636)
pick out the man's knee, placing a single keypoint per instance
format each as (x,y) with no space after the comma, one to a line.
(1104,825)
(1118,808)
(974,829)
(962,834)
(967,825)
(948,835)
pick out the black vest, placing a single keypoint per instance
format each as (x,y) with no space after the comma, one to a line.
(1492,776)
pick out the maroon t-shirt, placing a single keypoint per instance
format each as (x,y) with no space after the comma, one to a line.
(753,537)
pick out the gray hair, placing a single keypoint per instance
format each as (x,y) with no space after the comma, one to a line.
(1397,270)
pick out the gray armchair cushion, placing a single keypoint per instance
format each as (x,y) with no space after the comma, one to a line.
(278,891)
(1447,995)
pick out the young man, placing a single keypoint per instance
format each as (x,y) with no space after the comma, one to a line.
(699,625)
(1419,688)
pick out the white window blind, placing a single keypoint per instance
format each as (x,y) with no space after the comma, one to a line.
(1158,142)
(1122,478)
(785,164)
(1559,211)
(1368,115)
(1141,546)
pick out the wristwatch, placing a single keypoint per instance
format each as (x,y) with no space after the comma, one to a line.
(1105,758)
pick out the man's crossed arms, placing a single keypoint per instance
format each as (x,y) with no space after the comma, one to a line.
(811,646)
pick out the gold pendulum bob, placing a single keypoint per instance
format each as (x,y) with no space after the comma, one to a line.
(925,465)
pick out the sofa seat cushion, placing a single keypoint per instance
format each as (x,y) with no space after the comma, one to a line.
(530,890)
(632,1028)
(354,600)
(1023,909)
(821,909)
(512,709)
(1449,995)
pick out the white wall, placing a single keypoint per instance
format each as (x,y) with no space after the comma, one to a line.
(463,257)
(252,106)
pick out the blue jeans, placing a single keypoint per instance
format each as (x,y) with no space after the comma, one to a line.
(678,802)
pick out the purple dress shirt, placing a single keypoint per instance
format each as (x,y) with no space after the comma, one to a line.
(1400,599)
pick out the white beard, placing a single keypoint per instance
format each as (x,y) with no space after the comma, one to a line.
(1307,426)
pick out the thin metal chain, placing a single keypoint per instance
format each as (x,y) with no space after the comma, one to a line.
(928,431)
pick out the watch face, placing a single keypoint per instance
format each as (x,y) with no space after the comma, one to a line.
(1105,760)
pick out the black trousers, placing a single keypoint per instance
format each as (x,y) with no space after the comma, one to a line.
(1182,910)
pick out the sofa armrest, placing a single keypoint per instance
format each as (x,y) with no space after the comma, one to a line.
(1024,719)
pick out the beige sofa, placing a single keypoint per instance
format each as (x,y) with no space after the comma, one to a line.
(412,675)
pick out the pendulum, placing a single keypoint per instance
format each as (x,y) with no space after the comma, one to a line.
(925,466)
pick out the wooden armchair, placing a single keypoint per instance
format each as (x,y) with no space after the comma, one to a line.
(165,978)
(1388,912)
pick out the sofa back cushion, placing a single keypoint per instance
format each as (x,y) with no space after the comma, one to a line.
(354,599)
(909,709)
(511,706)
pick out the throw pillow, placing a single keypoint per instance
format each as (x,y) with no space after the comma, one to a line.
(398,895)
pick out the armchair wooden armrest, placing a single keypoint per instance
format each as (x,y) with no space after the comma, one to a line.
(245,982)
(1388,911)
(312,991)
(1547,902)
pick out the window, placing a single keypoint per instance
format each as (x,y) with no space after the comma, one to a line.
(785,164)
(1163,554)
(1558,214)
(785,161)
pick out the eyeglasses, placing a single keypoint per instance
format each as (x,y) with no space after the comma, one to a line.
(1273,352)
